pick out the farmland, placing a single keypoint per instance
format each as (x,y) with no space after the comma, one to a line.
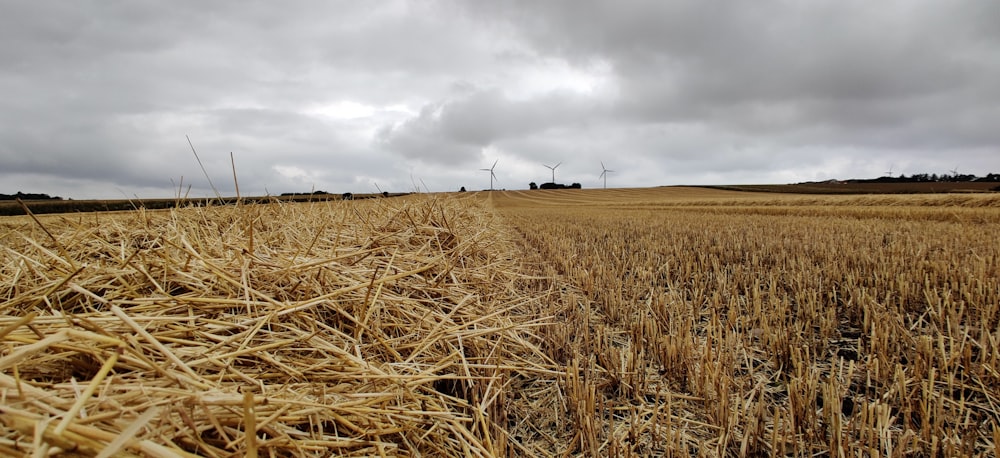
(733,324)
(853,187)
(639,322)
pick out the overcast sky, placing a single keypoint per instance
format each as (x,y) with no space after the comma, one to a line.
(98,96)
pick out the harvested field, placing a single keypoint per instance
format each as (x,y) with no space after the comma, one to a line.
(848,187)
(394,327)
(735,324)
(641,322)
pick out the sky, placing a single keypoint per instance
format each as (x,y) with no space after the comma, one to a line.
(100,97)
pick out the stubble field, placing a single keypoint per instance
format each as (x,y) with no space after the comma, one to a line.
(646,322)
(727,323)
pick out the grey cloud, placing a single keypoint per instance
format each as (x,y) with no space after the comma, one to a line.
(842,65)
(106,92)
(99,95)
(457,130)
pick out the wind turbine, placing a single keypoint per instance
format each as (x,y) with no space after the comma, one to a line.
(553,168)
(492,175)
(954,171)
(889,173)
(604,174)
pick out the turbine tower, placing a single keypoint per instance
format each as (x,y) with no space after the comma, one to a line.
(889,173)
(604,174)
(553,168)
(492,175)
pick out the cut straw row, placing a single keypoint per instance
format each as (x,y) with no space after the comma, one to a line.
(380,328)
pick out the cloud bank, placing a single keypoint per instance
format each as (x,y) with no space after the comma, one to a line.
(343,96)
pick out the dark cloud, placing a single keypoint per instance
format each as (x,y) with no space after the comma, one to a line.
(98,96)
(457,130)
(779,68)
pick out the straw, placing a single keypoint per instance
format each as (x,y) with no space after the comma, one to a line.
(368,328)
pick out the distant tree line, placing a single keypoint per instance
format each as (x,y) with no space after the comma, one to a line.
(532,185)
(932,178)
(28,196)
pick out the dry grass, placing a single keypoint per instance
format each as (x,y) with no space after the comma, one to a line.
(736,324)
(395,327)
(662,322)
